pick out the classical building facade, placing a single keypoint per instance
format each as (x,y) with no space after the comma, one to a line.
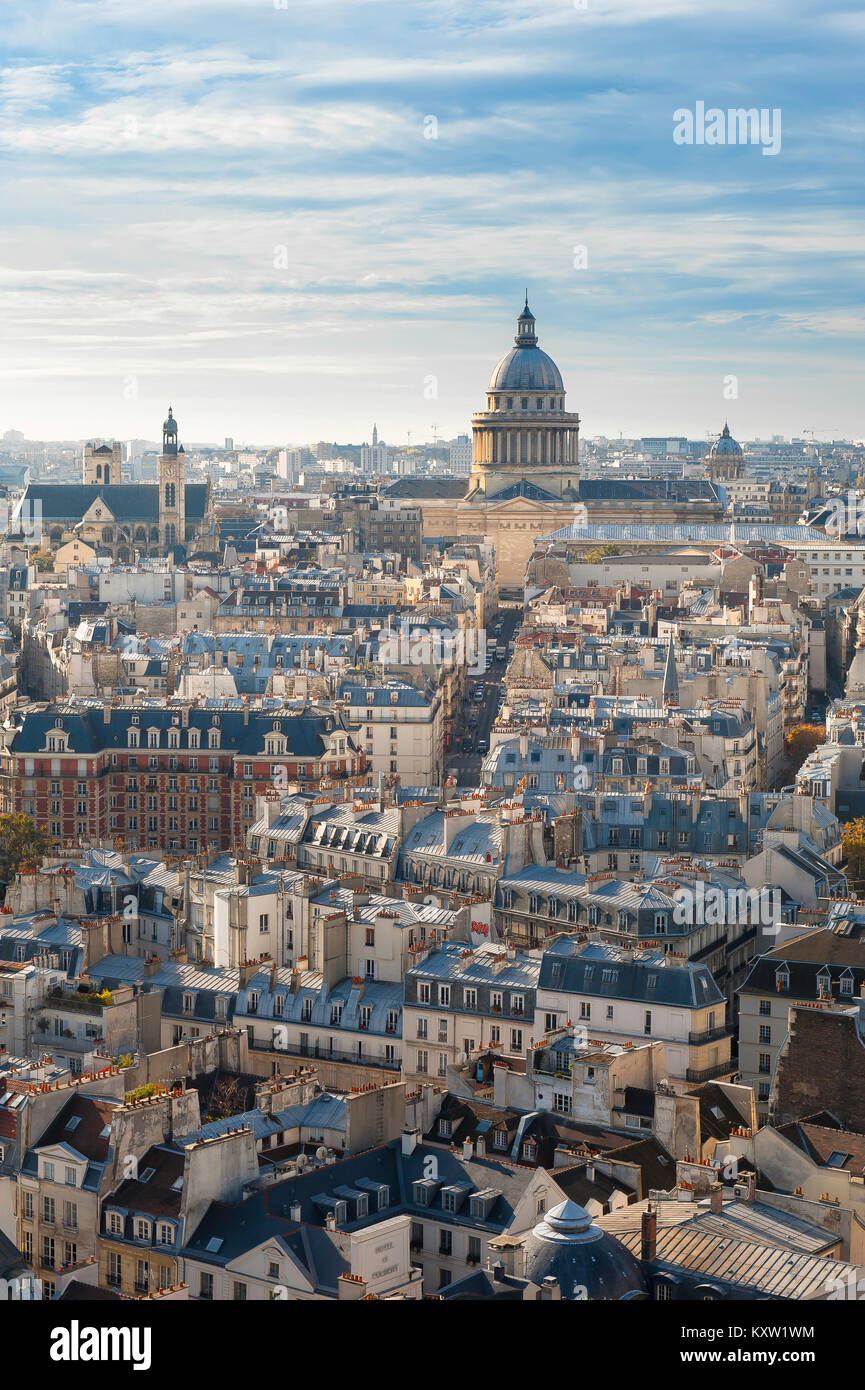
(525,480)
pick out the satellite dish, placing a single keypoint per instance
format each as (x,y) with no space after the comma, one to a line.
(302,1161)
(321,1153)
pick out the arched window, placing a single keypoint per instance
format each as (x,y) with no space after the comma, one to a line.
(169,494)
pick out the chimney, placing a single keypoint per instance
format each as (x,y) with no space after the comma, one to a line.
(248,968)
(716,1197)
(467,1150)
(294,1211)
(649,1234)
(550,1289)
(590,1172)
(410,1139)
(481,1148)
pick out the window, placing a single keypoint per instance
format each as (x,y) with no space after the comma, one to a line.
(765,1007)
(238,1291)
(70,1216)
(765,1062)
(516,1040)
(205,1286)
(765,1033)
(115,1268)
(115,1223)
(561,1103)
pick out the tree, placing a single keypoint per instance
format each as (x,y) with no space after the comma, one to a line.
(43,560)
(853,843)
(20,841)
(802,740)
(594,557)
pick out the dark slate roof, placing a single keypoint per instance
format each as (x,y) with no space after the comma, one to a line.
(483,1284)
(427,487)
(656,1165)
(129,502)
(647,490)
(89,731)
(803,959)
(820,1141)
(93,1114)
(718,1114)
(155,1196)
(576,969)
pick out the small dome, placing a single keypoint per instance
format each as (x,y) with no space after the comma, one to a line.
(587,1262)
(725,445)
(170,425)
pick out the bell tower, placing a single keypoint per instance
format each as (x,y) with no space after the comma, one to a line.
(171,476)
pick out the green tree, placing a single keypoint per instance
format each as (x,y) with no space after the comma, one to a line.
(20,841)
(594,557)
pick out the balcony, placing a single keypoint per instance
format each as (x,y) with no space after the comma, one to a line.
(711,1035)
(698,1075)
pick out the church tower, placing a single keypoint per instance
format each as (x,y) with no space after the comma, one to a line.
(102,464)
(171,476)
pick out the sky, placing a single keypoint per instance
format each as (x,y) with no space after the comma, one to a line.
(291,218)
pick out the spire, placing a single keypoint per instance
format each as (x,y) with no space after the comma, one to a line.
(374,435)
(725,432)
(671,679)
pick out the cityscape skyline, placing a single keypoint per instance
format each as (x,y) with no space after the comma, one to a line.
(298,226)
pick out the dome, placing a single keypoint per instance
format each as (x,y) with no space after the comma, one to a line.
(170,425)
(568,1247)
(526,369)
(726,445)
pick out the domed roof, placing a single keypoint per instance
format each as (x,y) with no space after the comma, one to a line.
(525,367)
(170,425)
(587,1262)
(726,444)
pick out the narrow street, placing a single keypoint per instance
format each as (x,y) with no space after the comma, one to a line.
(478,716)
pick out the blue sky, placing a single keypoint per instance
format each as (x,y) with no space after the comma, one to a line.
(235,208)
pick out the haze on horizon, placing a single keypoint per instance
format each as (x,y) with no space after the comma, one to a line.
(236,208)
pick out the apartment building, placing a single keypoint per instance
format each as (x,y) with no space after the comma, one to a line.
(634,995)
(459,1000)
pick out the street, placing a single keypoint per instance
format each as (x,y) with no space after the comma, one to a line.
(465,761)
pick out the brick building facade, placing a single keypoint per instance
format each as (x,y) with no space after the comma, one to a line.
(166,774)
